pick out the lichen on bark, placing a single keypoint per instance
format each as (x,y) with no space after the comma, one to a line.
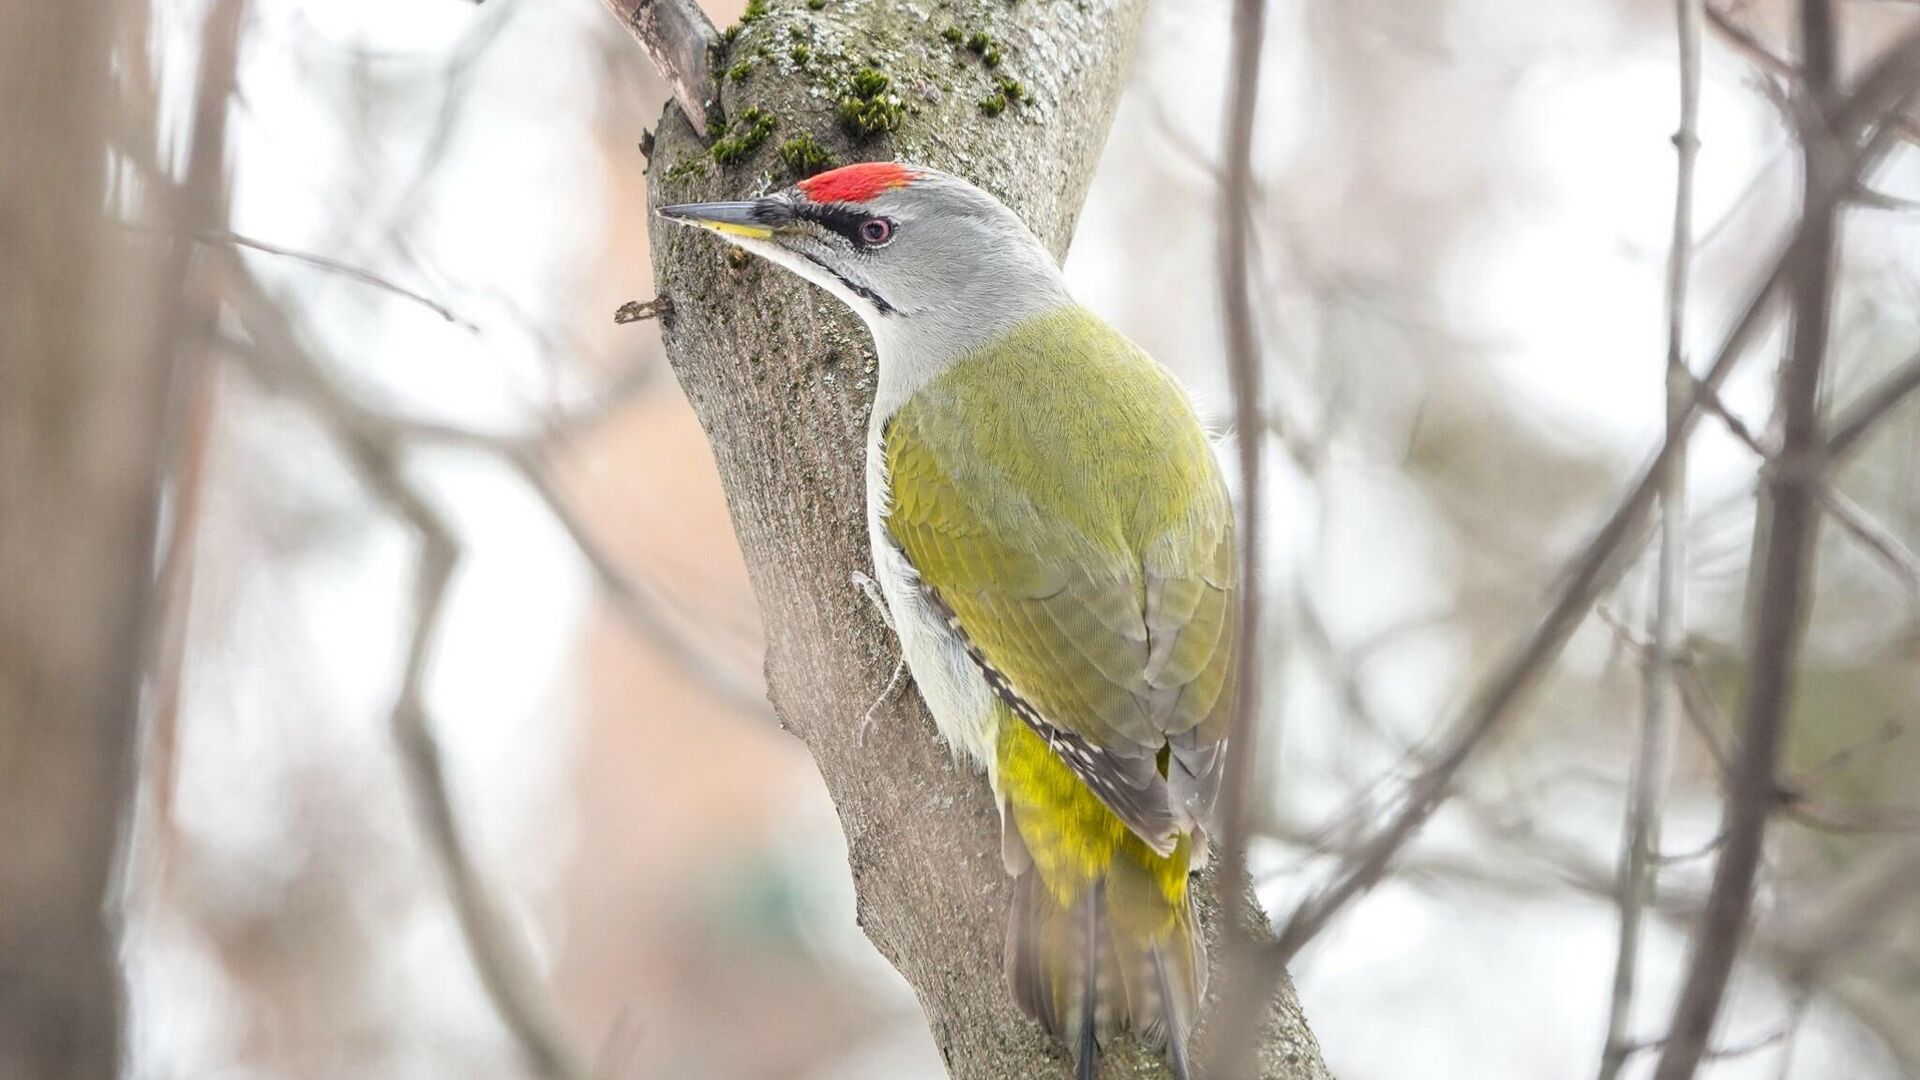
(781,378)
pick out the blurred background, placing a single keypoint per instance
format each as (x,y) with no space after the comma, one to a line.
(1463,211)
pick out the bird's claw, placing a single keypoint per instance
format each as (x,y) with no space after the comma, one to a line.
(871,588)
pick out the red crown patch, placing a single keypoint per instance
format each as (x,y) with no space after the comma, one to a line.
(858,183)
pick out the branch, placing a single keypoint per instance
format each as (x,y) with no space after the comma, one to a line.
(1852,914)
(1888,83)
(1857,903)
(680,40)
(1720,1053)
(637,602)
(506,969)
(335,266)
(1785,577)
(1871,535)
(1745,42)
(1234,1035)
(1794,802)
(527,454)
(1872,407)
(1639,854)
(1696,700)
(1777,944)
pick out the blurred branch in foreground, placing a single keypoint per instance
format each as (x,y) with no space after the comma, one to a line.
(1725,24)
(372,442)
(92,321)
(1783,569)
(1640,848)
(1233,1034)
(529,455)
(1858,136)
(500,956)
(1882,89)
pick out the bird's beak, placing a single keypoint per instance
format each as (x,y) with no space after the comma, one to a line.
(754,219)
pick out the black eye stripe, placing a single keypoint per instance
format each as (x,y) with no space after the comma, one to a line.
(838,217)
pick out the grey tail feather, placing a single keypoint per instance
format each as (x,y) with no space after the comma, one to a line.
(1176,1024)
(1088,1057)
(1083,978)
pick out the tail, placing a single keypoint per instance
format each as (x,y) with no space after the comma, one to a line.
(1117,953)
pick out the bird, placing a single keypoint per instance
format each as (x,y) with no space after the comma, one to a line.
(1053,540)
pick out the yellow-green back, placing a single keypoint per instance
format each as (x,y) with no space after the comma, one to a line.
(1057,496)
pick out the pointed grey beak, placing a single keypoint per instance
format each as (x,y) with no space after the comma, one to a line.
(756,219)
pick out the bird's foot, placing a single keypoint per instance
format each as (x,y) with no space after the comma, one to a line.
(866,722)
(871,587)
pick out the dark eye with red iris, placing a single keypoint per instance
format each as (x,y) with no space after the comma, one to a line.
(876,231)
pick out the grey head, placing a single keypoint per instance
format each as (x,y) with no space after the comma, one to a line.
(933,265)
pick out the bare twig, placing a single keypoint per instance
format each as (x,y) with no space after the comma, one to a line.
(335,266)
(1796,1019)
(1889,82)
(1640,849)
(1871,407)
(1696,700)
(528,454)
(642,608)
(1234,1039)
(1871,535)
(545,438)
(1243,357)
(1704,716)
(506,970)
(1846,818)
(679,39)
(1795,801)
(1785,574)
(1746,43)
(1851,914)
(637,602)
(1728,1052)
(1778,943)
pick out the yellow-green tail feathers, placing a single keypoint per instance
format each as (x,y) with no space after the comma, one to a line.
(1100,934)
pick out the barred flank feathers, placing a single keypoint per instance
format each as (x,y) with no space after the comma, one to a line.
(1117,961)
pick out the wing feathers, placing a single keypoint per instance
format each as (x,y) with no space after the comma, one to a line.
(1130,785)
(1087,565)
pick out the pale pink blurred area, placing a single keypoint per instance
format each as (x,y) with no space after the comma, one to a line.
(686,927)
(694,912)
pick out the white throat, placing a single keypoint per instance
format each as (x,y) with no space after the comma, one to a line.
(916,346)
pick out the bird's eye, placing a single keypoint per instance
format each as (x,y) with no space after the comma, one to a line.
(876,231)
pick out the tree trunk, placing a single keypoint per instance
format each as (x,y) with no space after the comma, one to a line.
(781,377)
(80,429)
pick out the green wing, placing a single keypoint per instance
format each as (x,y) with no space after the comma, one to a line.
(1060,503)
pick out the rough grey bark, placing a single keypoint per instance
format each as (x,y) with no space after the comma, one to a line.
(781,378)
(80,428)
